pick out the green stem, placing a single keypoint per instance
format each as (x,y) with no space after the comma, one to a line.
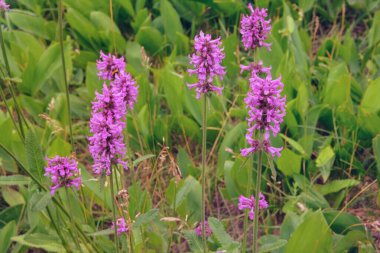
(3,98)
(204,137)
(60,24)
(72,217)
(20,116)
(57,230)
(114,211)
(248,194)
(257,196)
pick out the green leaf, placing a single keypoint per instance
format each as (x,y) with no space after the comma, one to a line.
(40,241)
(337,90)
(10,213)
(142,158)
(29,22)
(231,137)
(294,144)
(151,39)
(335,186)
(12,197)
(194,241)
(289,162)
(40,200)
(376,152)
(14,180)
(351,239)
(306,5)
(370,106)
(171,21)
(104,232)
(222,236)
(6,233)
(145,218)
(342,223)
(325,161)
(272,246)
(34,154)
(304,239)
(374,31)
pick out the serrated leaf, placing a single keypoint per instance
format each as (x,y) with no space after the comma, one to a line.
(40,200)
(221,235)
(194,241)
(269,247)
(34,154)
(145,218)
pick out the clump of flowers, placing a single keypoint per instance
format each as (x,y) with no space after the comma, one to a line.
(3,5)
(254,28)
(266,110)
(206,61)
(109,112)
(63,172)
(249,203)
(121,226)
(208,231)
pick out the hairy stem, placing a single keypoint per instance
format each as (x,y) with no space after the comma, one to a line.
(114,211)
(248,193)
(257,196)
(60,24)
(204,136)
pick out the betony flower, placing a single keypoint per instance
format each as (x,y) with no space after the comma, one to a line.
(3,5)
(254,28)
(121,226)
(266,110)
(206,61)
(126,85)
(106,124)
(109,65)
(198,229)
(249,203)
(63,172)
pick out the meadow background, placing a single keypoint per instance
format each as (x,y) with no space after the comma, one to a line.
(324,196)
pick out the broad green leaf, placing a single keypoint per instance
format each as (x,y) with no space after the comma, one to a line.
(34,154)
(171,21)
(351,239)
(40,200)
(289,162)
(14,180)
(145,218)
(222,236)
(12,197)
(151,39)
(294,144)
(230,138)
(325,161)
(40,241)
(306,5)
(376,152)
(30,22)
(93,83)
(337,90)
(142,158)
(304,239)
(272,246)
(335,186)
(10,214)
(342,222)
(194,241)
(369,107)
(374,32)
(6,233)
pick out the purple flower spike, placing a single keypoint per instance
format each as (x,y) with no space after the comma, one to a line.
(3,6)
(249,203)
(255,29)
(121,226)
(198,229)
(126,85)
(266,110)
(63,172)
(109,65)
(107,143)
(207,61)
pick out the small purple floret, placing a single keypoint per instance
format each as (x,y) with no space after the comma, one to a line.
(3,6)
(198,229)
(254,28)
(249,203)
(207,61)
(121,226)
(63,172)
(109,65)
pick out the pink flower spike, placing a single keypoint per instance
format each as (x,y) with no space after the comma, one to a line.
(198,229)
(3,6)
